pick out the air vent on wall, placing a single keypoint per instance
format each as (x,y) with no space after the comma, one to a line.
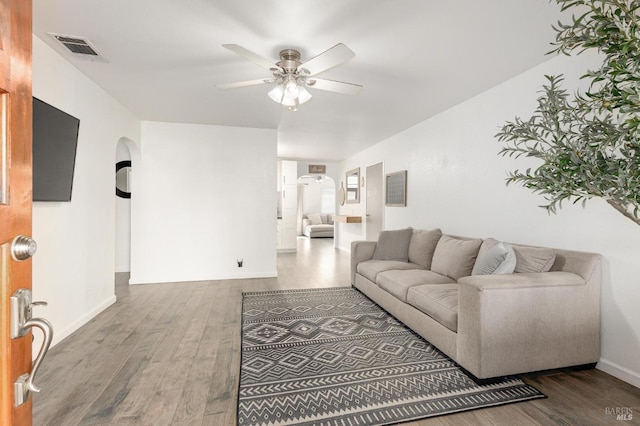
(80,47)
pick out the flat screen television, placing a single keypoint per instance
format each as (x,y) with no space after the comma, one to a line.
(55,138)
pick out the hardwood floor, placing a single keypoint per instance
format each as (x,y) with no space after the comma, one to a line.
(170,354)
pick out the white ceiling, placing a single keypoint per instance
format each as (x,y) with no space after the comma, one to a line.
(415,59)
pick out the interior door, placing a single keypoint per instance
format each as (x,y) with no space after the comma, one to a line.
(15,194)
(375,211)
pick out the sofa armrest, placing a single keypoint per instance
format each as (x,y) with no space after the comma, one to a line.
(305,223)
(515,323)
(360,251)
(522,280)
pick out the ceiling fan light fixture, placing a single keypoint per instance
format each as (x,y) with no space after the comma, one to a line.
(303,95)
(277,93)
(291,88)
(290,93)
(288,100)
(292,78)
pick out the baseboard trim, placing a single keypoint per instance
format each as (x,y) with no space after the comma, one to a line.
(620,372)
(272,274)
(60,335)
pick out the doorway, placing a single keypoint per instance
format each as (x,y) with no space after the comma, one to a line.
(375,211)
(126,152)
(316,194)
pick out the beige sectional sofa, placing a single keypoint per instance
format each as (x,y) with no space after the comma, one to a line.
(318,225)
(495,308)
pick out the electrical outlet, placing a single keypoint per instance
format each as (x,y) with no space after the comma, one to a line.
(240,262)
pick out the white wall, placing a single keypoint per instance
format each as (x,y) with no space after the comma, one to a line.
(74,267)
(203,197)
(456,181)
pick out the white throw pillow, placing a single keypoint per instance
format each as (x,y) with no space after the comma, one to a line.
(315,218)
(499,259)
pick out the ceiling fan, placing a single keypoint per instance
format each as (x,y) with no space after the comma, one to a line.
(292,76)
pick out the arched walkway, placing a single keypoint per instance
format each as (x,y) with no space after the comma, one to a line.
(126,150)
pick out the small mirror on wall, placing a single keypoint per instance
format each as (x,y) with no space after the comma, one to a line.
(353,186)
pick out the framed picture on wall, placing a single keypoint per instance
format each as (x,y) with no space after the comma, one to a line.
(396,189)
(317,168)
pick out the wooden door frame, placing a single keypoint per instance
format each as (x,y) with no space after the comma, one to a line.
(15,217)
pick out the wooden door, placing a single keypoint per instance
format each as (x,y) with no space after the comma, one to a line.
(15,180)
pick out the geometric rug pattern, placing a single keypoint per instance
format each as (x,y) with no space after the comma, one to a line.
(334,357)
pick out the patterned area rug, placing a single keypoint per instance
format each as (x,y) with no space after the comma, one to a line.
(334,357)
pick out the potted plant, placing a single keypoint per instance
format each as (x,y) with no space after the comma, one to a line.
(589,143)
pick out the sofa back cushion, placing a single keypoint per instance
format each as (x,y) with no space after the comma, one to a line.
(315,218)
(393,245)
(423,245)
(455,257)
(534,259)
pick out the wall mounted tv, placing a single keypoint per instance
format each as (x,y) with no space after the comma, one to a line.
(55,137)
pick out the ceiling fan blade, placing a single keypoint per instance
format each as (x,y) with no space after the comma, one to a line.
(334,86)
(253,57)
(244,83)
(330,58)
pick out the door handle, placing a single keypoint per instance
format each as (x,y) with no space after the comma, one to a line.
(21,322)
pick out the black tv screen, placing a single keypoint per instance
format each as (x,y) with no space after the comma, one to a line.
(55,137)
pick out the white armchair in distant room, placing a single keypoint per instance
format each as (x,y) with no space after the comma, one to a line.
(316,225)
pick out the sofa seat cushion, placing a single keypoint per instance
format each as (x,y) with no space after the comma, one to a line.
(398,282)
(318,231)
(371,268)
(319,228)
(439,301)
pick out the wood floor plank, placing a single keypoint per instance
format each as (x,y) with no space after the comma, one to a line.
(105,407)
(161,409)
(69,404)
(135,407)
(169,354)
(192,403)
(223,387)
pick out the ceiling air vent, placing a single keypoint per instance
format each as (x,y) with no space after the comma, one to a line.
(80,47)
